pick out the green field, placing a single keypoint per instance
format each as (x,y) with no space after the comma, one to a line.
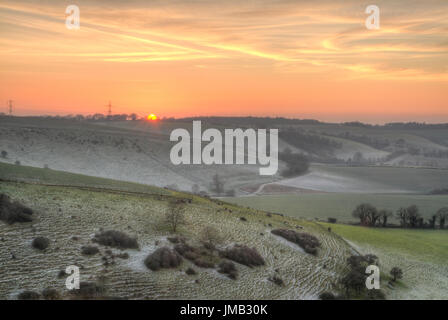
(421,254)
(339,205)
(426,245)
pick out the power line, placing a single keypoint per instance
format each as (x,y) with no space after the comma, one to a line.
(109,111)
(10,107)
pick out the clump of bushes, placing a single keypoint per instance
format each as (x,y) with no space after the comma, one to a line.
(244,255)
(12,212)
(117,239)
(190,272)
(28,295)
(89,250)
(195,255)
(163,258)
(228,268)
(308,242)
(40,243)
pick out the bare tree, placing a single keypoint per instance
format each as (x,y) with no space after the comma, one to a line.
(385,214)
(397,273)
(175,215)
(442,214)
(367,214)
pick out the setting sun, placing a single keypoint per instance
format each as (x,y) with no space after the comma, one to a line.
(152,116)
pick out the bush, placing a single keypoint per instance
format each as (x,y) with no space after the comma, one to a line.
(28,295)
(228,268)
(332,220)
(195,255)
(12,212)
(89,250)
(40,243)
(50,294)
(244,255)
(17,162)
(163,258)
(117,239)
(4,154)
(308,242)
(190,272)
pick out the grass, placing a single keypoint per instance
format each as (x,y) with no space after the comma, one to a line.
(48,176)
(339,205)
(421,254)
(428,245)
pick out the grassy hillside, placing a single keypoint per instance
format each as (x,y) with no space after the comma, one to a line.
(48,176)
(70,216)
(421,254)
(339,205)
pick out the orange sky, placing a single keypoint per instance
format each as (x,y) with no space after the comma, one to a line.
(186,58)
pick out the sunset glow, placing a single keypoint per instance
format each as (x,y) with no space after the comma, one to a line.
(261,58)
(152,117)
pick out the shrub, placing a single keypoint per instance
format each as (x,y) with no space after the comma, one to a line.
(396,273)
(89,250)
(17,163)
(40,243)
(50,294)
(308,242)
(190,272)
(228,268)
(244,255)
(28,295)
(12,212)
(163,258)
(4,154)
(195,255)
(118,239)
(332,220)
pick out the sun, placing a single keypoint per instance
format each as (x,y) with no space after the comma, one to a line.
(152,116)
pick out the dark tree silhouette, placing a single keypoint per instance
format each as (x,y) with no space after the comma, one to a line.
(396,273)
(442,214)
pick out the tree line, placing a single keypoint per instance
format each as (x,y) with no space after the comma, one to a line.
(409,217)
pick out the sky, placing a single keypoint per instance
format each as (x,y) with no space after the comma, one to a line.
(173,58)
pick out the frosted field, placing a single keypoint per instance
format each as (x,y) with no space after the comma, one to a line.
(67,212)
